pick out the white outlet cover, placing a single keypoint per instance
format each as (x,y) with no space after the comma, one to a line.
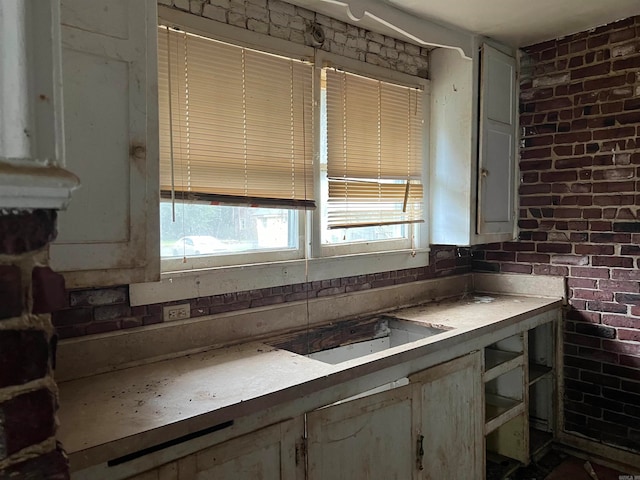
(176,312)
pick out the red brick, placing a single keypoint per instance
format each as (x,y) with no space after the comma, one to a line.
(515,268)
(613,107)
(536,201)
(606,187)
(73,316)
(102,327)
(591,71)
(560,188)
(26,231)
(610,237)
(621,347)
(553,248)
(25,356)
(578,162)
(527,154)
(533,257)
(623,372)
(11,294)
(626,63)
(52,466)
(591,213)
(619,274)
(614,174)
(573,137)
(624,262)
(111,312)
(606,82)
(592,295)
(581,282)
(578,237)
(576,61)
(611,307)
(594,249)
(581,200)
(566,176)
(48,290)
(550,270)
(519,246)
(567,213)
(621,321)
(537,188)
(617,132)
(589,272)
(597,354)
(562,151)
(501,256)
(619,285)
(538,141)
(28,419)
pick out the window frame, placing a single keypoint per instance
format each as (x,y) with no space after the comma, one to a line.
(418,233)
(198,277)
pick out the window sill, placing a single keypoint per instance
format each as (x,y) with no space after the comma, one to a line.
(216,281)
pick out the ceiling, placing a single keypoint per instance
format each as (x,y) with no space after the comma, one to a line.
(521,22)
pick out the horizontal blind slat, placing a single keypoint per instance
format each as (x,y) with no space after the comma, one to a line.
(242,120)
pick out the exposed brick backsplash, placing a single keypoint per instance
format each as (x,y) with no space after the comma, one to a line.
(28,394)
(580,165)
(107,309)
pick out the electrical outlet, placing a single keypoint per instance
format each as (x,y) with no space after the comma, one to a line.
(177,312)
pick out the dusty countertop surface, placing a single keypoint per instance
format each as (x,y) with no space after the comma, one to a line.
(106,415)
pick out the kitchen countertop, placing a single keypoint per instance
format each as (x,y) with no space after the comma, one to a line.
(142,406)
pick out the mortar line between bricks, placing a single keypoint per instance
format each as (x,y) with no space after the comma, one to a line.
(27,453)
(7,393)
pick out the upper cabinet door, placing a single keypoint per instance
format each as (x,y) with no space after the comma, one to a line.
(109,234)
(497,162)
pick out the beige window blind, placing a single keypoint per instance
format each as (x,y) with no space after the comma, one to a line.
(235,124)
(374,152)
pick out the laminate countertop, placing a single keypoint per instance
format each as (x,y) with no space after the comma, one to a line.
(111,415)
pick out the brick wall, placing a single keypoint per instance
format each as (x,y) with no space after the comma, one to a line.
(28,394)
(100,310)
(580,164)
(284,20)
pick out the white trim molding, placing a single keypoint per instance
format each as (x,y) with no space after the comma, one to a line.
(31,126)
(380,17)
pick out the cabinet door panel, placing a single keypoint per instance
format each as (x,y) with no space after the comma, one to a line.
(452,418)
(368,438)
(268,454)
(496,185)
(109,234)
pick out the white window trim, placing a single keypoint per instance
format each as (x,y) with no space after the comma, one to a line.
(324,263)
(421,230)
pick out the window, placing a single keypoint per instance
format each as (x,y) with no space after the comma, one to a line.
(373,160)
(236,146)
(239,135)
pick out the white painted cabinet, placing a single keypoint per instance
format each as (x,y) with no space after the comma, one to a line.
(429,429)
(373,437)
(451,419)
(272,453)
(109,234)
(473,147)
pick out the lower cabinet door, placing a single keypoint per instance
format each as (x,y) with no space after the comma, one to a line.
(367,438)
(273,453)
(452,419)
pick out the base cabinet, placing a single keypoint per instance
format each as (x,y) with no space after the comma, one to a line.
(451,419)
(428,429)
(272,453)
(367,438)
